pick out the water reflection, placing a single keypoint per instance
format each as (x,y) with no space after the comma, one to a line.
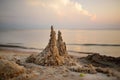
(40,38)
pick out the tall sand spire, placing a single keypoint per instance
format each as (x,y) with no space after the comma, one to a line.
(61,45)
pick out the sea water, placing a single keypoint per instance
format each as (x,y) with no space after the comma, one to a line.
(105,42)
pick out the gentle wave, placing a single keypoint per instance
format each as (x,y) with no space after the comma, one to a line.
(17,46)
(115,45)
(31,48)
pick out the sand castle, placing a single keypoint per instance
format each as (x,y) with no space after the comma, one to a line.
(55,52)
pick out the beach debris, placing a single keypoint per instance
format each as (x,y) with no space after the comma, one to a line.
(84,69)
(82,75)
(54,54)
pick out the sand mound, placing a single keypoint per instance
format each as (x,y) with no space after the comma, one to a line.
(104,61)
(31,76)
(9,69)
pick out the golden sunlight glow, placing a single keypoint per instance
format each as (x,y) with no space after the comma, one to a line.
(62,7)
(93,18)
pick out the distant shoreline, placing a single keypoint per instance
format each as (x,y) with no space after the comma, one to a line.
(17,46)
(31,48)
(116,45)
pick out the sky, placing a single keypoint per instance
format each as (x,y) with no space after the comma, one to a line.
(78,14)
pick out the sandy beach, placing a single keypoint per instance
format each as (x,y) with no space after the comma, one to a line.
(50,72)
(55,62)
(59,39)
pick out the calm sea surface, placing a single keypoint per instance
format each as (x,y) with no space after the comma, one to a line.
(105,42)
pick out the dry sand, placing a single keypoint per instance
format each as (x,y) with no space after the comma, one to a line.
(47,72)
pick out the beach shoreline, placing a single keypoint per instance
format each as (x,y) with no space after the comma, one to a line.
(13,54)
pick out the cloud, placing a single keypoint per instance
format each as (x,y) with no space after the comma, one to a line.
(62,7)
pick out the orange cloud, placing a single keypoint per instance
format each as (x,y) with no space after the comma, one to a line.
(93,18)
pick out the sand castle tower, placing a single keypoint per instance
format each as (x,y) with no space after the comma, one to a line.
(50,55)
(55,52)
(61,45)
